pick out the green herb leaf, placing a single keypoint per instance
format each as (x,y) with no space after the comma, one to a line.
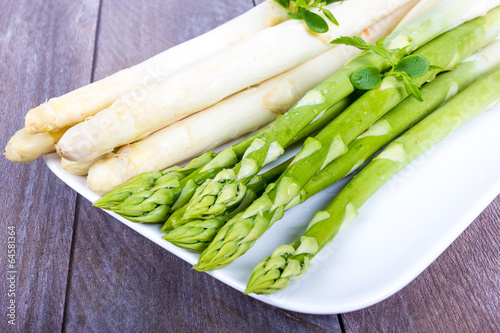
(413,65)
(381,42)
(315,22)
(433,68)
(362,45)
(366,78)
(297,16)
(405,68)
(402,53)
(284,3)
(330,16)
(411,86)
(299,10)
(352,41)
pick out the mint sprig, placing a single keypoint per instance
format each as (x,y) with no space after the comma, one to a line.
(300,10)
(403,67)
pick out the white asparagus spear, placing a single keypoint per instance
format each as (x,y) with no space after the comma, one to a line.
(421,7)
(79,168)
(270,52)
(228,119)
(79,104)
(25,148)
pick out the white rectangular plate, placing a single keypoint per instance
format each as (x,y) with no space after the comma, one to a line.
(405,226)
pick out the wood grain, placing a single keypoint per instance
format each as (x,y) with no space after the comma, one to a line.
(459,292)
(45,50)
(121,281)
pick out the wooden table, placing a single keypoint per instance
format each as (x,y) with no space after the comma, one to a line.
(80,270)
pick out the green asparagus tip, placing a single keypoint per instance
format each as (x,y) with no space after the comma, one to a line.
(216,198)
(111,200)
(176,219)
(233,240)
(123,192)
(204,266)
(165,228)
(287,262)
(212,259)
(200,267)
(153,216)
(197,247)
(196,235)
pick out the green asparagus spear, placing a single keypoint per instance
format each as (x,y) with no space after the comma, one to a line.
(198,234)
(270,146)
(292,261)
(237,237)
(147,180)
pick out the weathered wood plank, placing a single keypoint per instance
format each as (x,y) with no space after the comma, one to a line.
(45,50)
(459,292)
(123,282)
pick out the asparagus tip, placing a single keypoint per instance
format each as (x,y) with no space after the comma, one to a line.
(34,121)
(165,228)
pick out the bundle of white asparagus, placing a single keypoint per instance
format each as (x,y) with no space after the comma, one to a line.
(279,60)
